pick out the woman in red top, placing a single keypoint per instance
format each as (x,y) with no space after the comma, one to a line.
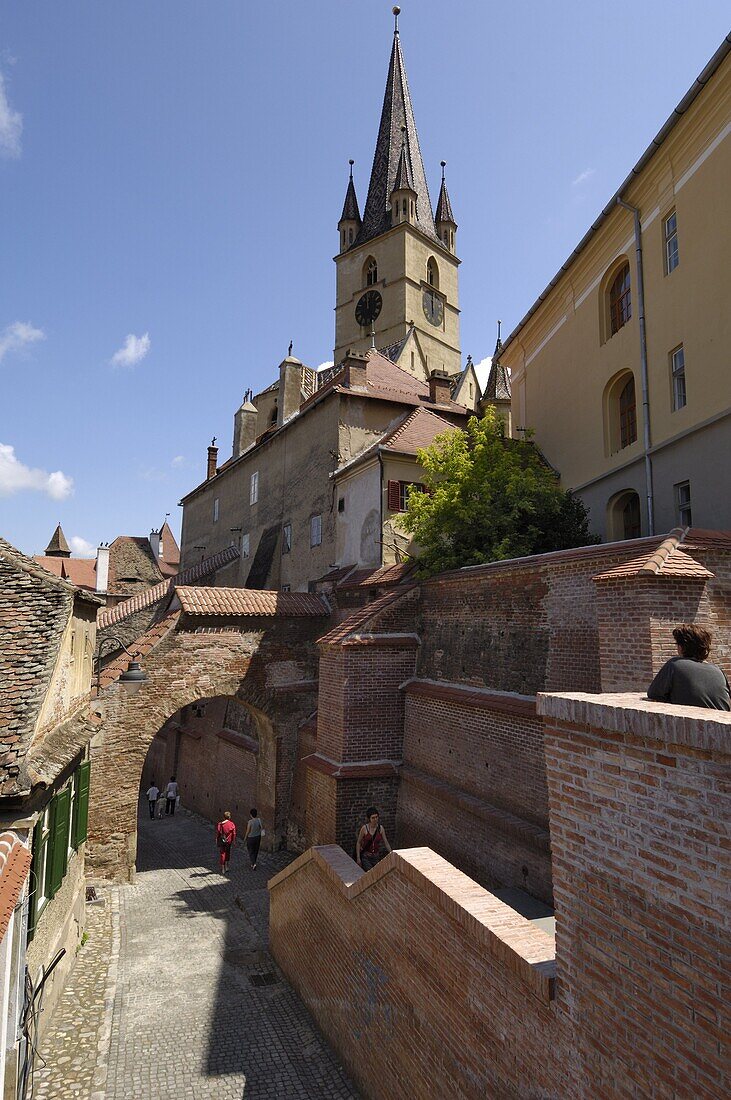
(225,837)
(372,844)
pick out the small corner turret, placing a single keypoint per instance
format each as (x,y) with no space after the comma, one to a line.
(444,218)
(403,195)
(350,221)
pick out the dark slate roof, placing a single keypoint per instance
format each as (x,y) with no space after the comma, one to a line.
(393,351)
(497,387)
(58,545)
(396,114)
(35,607)
(350,206)
(444,206)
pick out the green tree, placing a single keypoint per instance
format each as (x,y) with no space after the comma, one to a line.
(489,497)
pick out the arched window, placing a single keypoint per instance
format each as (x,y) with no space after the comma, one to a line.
(403,207)
(620,300)
(627,414)
(371,271)
(620,412)
(432,272)
(624,518)
(350,235)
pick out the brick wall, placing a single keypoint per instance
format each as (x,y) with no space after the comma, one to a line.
(639,811)
(426,985)
(473,783)
(451,997)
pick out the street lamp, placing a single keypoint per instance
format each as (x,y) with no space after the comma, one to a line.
(132,677)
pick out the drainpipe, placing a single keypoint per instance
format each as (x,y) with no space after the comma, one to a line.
(643,364)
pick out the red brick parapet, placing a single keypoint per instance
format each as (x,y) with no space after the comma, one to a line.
(505,702)
(633,713)
(357,769)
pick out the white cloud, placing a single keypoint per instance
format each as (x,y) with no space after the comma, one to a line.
(17,336)
(16,478)
(134,349)
(325,365)
(11,125)
(482,370)
(81,547)
(583,177)
(178,461)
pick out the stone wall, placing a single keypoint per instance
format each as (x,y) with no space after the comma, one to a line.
(452,994)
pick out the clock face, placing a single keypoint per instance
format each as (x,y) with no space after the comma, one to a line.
(433,307)
(368,307)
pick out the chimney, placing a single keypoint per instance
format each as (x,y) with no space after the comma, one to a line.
(440,387)
(102,568)
(156,544)
(212,460)
(356,367)
(246,419)
(290,388)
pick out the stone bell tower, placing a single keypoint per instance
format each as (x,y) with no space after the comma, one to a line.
(397,270)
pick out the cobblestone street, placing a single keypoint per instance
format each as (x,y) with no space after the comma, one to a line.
(199,1009)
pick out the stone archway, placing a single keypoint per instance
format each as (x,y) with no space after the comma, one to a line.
(269,668)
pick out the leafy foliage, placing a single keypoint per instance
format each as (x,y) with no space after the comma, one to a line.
(489,497)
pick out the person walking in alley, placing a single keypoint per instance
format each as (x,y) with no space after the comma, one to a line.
(225,837)
(171,796)
(688,680)
(153,793)
(252,836)
(372,844)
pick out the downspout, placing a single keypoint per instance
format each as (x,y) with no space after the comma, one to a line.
(643,365)
(380,502)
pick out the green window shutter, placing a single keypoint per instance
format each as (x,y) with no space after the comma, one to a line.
(59,841)
(81,804)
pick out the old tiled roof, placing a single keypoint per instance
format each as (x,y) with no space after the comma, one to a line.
(355,623)
(131,564)
(668,559)
(80,571)
(35,607)
(247,601)
(404,180)
(393,351)
(153,595)
(58,544)
(15,861)
(444,206)
(397,113)
(412,432)
(139,649)
(389,382)
(497,387)
(381,577)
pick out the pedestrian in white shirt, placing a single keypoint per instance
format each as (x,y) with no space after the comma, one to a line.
(153,793)
(171,795)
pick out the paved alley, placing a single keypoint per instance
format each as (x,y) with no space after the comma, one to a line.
(200,1011)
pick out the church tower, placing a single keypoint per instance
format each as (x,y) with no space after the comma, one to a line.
(397,271)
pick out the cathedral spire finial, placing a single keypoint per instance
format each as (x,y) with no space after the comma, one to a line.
(396,12)
(351,162)
(444,165)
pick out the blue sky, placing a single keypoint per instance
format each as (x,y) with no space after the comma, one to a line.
(172,173)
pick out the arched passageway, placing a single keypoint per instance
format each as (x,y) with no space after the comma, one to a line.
(269,672)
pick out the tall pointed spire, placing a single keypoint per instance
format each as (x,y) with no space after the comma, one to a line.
(498,386)
(350,206)
(397,114)
(444,206)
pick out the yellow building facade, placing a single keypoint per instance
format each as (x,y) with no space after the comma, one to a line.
(622,368)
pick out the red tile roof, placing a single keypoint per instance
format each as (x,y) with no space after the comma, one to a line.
(80,571)
(411,433)
(668,559)
(386,381)
(354,623)
(384,575)
(151,596)
(247,601)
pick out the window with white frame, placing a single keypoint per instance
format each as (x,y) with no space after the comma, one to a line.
(682,504)
(254,487)
(245,545)
(286,538)
(677,375)
(670,230)
(315,530)
(41,858)
(215,510)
